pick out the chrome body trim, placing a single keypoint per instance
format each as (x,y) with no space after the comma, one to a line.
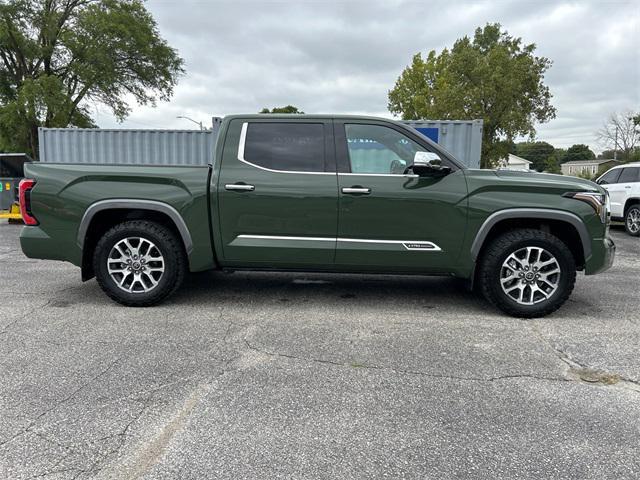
(240,187)
(241,144)
(413,245)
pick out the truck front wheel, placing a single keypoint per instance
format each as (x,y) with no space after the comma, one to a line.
(527,273)
(139,263)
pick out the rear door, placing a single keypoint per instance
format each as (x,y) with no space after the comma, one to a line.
(277,193)
(389,218)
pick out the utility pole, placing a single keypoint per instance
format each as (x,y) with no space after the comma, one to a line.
(191,120)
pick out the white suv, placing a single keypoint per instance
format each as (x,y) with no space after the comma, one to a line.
(623,184)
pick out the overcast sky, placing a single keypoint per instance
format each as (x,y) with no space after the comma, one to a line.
(343,57)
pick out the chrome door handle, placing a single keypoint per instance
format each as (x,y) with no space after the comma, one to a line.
(241,187)
(356,190)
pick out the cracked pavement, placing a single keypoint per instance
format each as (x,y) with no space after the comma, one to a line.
(265,375)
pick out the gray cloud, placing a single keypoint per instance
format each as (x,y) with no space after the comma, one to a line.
(343,57)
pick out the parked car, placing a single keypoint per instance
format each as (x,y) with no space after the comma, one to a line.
(320,193)
(623,184)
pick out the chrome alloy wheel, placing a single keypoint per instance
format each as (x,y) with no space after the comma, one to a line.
(530,275)
(633,220)
(135,264)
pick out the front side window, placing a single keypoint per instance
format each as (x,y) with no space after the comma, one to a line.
(293,147)
(610,177)
(378,149)
(629,175)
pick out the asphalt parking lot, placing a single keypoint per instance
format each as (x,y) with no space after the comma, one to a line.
(254,375)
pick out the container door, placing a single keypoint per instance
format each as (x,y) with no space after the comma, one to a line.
(389,218)
(277,194)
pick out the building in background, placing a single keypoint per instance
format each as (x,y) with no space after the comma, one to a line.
(588,168)
(514,162)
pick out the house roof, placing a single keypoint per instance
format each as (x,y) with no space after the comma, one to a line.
(517,159)
(597,161)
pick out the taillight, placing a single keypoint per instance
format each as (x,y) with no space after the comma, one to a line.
(24,197)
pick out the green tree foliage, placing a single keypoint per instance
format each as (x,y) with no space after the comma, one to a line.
(608,154)
(536,152)
(551,164)
(287,109)
(579,152)
(60,57)
(493,76)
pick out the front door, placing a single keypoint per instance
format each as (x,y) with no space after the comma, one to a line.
(389,218)
(277,194)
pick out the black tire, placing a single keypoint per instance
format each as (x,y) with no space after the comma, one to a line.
(497,252)
(629,226)
(166,242)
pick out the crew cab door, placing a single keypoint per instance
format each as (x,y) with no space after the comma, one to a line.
(277,194)
(391,219)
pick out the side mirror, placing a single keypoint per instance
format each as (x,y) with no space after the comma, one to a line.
(428,164)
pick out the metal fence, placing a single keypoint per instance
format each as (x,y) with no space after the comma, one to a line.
(194,147)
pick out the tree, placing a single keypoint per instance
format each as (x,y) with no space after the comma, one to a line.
(494,77)
(551,164)
(287,109)
(621,132)
(579,152)
(60,57)
(608,154)
(536,152)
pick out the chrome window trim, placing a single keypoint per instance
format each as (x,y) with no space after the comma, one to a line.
(426,246)
(241,144)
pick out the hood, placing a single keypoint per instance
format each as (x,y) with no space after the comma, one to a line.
(550,179)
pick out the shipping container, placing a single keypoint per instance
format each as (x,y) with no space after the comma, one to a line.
(463,139)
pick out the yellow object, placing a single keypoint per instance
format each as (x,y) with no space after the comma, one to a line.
(12,214)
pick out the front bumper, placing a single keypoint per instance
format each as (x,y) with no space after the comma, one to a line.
(603,253)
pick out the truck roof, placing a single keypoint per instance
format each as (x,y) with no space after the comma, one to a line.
(303,116)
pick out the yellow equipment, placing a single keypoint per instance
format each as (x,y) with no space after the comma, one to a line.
(13,214)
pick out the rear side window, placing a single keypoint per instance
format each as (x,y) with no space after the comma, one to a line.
(610,177)
(292,147)
(629,175)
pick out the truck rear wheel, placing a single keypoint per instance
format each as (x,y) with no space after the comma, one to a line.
(527,273)
(139,263)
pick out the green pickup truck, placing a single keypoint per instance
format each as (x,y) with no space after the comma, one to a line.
(324,193)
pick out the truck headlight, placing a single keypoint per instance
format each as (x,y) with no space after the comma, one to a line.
(599,201)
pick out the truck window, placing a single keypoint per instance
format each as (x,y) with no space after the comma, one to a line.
(610,177)
(290,147)
(378,149)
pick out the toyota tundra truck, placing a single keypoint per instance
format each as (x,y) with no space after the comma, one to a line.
(322,193)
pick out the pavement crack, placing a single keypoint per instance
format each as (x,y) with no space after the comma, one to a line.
(403,371)
(583,373)
(62,401)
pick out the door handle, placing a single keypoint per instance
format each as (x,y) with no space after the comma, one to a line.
(241,187)
(356,190)
(628,186)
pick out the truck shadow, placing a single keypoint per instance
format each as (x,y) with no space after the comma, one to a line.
(311,289)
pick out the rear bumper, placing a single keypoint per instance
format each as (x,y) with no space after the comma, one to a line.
(603,253)
(36,243)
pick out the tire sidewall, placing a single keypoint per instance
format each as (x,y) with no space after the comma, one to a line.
(567,270)
(152,233)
